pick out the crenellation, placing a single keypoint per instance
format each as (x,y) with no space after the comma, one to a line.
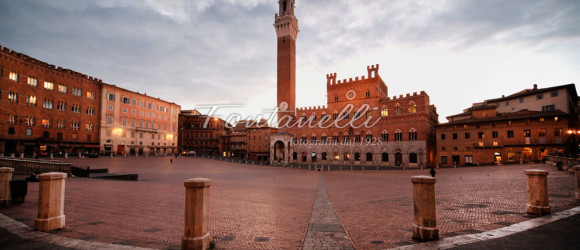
(414,93)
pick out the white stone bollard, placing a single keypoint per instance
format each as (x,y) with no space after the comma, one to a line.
(537,188)
(5,194)
(196,234)
(50,202)
(425,219)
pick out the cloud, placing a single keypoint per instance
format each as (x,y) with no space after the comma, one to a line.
(224,51)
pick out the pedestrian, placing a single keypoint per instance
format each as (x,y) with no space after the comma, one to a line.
(171,160)
(432,172)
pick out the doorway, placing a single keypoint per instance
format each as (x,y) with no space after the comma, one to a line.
(398,159)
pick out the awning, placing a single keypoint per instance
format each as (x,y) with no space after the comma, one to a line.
(92,146)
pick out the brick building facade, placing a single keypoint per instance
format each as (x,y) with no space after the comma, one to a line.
(46,109)
(239,140)
(137,124)
(402,130)
(258,140)
(202,134)
(522,127)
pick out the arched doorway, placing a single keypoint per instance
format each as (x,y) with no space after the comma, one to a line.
(398,159)
(279,153)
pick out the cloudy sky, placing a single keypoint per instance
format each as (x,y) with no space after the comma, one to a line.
(203,52)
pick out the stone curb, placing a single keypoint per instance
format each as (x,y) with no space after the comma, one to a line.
(452,242)
(27,233)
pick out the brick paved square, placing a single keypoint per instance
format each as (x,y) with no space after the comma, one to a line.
(378,206)
(261,207)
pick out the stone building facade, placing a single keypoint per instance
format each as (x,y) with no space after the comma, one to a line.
(46,109)
(521,127)
(137,124)
(400,129)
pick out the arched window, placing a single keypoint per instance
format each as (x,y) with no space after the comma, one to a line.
(335,138)
(369,137)
(335,115)
(369,156)
(323,138)
(384,111)
(398,109)
(346,156)
(413,158)
(313,138)
(357,156)
(368,94)
(398,135)
(412,134)
(345,137)
(324,156)
(335,156)
(412,107)
(356,137)
(324,117)
(303,118)
(303,139)
(313,117)
(369,113)
(385,136)
(335,98)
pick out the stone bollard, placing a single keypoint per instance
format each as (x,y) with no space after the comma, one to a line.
(11,155)
(196,234)
(537,192)
(21,155)
(51,156)
(80,155)
(50,202)
(5,195)
(577,170)
(66,155)
(33,155)
(425,220)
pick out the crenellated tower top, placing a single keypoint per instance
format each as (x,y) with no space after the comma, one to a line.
(286,23)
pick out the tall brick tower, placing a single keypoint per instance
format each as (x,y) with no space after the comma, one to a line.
(286,26)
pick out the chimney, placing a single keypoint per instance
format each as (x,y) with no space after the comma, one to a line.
(535,86)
